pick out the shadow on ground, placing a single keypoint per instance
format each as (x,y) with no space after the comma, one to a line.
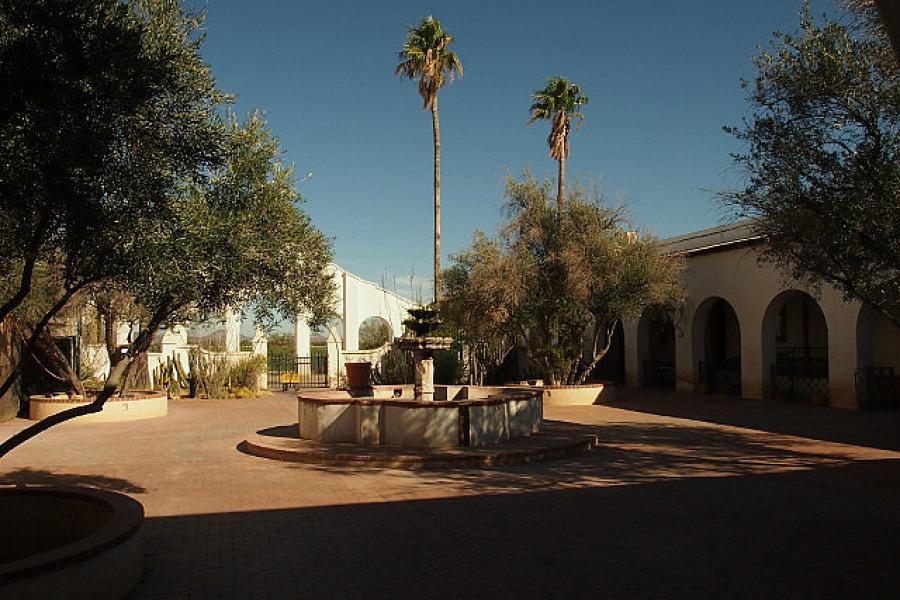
(827,532)
(37,477)
(631,453)
(869,428)
(281,431)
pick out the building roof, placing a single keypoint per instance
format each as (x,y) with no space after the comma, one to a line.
(714,238)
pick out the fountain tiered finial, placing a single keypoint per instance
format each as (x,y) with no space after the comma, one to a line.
(422,322)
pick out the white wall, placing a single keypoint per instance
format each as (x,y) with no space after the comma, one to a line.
(734,274)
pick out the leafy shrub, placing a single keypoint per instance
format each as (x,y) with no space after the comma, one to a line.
(449,368)
(396,367)
(245,373)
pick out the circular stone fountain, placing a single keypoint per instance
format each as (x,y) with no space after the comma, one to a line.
(420,425)
(429,417)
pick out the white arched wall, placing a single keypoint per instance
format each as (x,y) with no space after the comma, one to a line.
(356,300)
(735,275)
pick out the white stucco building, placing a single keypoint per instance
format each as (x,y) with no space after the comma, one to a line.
(745,329)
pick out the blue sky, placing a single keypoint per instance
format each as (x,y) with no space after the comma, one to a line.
(663,78)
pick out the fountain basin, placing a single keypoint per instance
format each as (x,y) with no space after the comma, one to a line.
(459,416)
(69,542)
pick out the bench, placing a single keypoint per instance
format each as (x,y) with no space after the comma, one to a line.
(289,380)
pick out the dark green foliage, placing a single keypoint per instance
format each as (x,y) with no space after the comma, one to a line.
(374,332)
(396,368)
(557,283)
(822,160)
(449,368)
(104,105)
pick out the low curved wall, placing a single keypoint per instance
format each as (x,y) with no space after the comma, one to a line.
(77,543)
(574,395)
(144,406)
(472,417)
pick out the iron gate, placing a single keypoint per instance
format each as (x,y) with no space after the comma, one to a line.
(877,387)
(722,376)
(291,372)
(800,373)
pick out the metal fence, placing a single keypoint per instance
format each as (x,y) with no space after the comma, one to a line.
(723,376)
(286,372)
(877,387)
(658,373)
(800,373)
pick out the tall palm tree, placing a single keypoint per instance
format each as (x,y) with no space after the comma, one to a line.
(559,102)
(426,57)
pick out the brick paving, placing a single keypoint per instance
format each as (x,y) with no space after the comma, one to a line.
(685,497)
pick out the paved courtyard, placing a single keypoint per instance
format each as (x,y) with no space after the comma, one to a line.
(687,497)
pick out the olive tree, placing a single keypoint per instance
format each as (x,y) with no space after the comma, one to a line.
(555,281)
(238,238)
(822,159)
(103,104)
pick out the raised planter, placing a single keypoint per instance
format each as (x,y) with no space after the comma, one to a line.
(137,405)
(67,542)
(572,395)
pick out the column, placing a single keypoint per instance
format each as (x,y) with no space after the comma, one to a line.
(335,368)
(632,352)
(261,348)
(351,314)
(232,330)
(301,336)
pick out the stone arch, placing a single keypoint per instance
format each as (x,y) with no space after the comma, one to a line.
(878,360)
(716,344)
(656,348)
(795,347)
(370,328)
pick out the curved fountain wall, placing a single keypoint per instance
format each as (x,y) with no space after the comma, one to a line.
(459,416)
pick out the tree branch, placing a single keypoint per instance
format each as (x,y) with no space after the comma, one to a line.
(113,382)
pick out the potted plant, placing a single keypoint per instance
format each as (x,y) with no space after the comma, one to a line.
(358,375)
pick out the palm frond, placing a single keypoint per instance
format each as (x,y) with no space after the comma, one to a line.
(558,102)
(426,57)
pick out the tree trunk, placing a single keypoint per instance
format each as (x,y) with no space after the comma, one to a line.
(113,382)
(33,340)
(435,122)
(24,287)
(60,363)
(110,337)
(561,187)
(890,18)
(31,254)
(598,356)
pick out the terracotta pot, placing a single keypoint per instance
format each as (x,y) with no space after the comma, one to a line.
(358,375)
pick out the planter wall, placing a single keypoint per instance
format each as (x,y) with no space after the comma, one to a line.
(573,395)
(69,543)
(141,406)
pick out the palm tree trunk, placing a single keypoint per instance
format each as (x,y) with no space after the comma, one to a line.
(561,187)
(435,122)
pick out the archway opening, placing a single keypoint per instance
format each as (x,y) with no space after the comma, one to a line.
(656,331)
(612,366)
(878,367)
(374,332)
(720,365)
(795,348)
